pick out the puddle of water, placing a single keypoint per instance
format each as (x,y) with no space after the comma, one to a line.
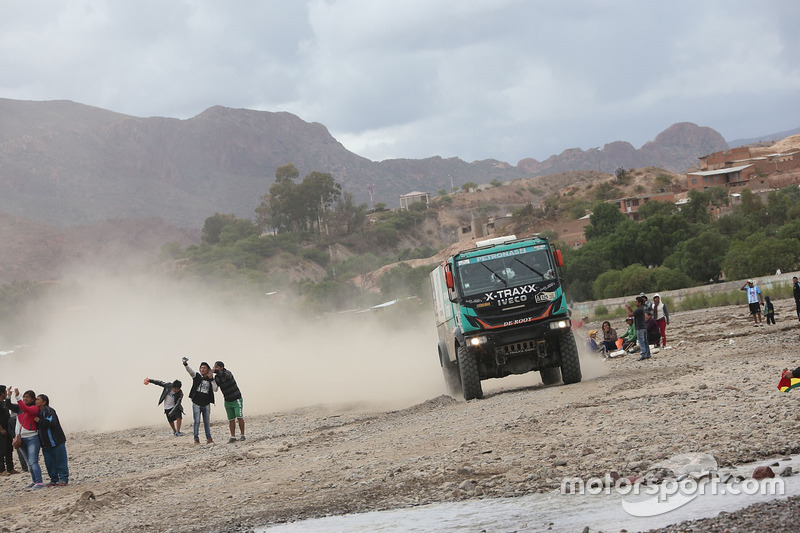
(538,512)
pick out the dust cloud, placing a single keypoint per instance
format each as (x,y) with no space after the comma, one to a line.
(95,347)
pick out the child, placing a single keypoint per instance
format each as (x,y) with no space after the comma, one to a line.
(769,310)
(171,396)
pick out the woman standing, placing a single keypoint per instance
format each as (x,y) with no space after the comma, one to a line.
(28,430)
(661,316)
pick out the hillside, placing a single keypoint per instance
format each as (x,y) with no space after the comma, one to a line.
(67,164)
(32,250)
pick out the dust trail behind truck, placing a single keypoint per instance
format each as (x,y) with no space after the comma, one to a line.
(500,310)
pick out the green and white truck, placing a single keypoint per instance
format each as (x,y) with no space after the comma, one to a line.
(500,310)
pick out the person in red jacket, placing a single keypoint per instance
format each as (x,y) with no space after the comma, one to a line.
(27,428)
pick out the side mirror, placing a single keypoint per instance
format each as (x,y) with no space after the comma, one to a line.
(448,278)
(559,258)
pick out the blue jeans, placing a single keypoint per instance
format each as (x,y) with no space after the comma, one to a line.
(205,411)
(31,446)
(55,462)
(641,336)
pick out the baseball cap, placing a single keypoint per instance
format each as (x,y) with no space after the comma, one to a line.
(628,319)
(220,364)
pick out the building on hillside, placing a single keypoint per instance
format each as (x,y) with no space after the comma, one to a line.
(572,231)
(739,168)
(414,197)
(483,226)
(730,178)
(630,206)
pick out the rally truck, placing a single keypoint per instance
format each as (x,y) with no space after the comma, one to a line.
(500,310)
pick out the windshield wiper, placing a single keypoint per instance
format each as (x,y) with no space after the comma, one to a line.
(529,267)
(495,274)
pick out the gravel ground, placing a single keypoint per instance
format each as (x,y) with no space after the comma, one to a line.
(714,392)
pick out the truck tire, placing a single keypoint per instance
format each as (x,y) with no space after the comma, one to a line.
(452,379)
(468,369)
(570,362)
(550,376)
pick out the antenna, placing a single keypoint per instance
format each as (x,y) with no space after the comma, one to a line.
(371,189)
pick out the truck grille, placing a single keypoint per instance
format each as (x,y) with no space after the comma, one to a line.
(518,347)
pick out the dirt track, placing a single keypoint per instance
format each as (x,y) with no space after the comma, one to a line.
(716,392)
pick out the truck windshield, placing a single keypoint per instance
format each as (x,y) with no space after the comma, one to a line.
(510,268)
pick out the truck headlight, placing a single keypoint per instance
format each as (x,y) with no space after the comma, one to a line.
(560,324)
(477,341)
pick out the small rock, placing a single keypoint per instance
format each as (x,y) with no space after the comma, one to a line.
(787,472)
(465,471)
(763,472)
(467,485)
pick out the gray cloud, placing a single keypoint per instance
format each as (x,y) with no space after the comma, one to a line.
(480,79)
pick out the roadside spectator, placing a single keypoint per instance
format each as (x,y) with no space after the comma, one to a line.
(609,337)
(661,316)
(6,448)
(591,344)
(12,427)
(233,399)
(171,396)
(29,431)
(754,300)
(647,305)
(639,324)
(629,338)
(54,448)
(653,333)
(202,395)
(796,292)
(769,310)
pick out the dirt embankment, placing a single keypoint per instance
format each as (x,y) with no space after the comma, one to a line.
(714,392)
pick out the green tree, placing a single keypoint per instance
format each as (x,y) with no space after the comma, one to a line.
(212,227)
(603,221)
(704,255)
(318,192)
(653,208)
(696,209)
(469,185)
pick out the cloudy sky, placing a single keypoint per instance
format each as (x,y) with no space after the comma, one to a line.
(476,79)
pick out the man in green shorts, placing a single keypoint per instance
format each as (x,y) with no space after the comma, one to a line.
(233,399)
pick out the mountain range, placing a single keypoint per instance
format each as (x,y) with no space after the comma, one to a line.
(67,164)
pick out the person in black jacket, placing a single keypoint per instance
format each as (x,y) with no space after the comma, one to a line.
(202,395)
(6,449)
(54,448)
(12,429)
(171,396)
(233,399)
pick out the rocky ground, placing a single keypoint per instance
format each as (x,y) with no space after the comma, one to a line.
(714,392)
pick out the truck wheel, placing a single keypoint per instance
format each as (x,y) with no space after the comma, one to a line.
(468,369)
(570,362)
(451,376)
(550,376)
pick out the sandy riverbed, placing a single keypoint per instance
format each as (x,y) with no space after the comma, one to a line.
(715,392)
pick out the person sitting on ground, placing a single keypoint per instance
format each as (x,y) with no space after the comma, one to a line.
(653,331)
(171,396)
(769,310)
(629,338)
(591,344)
(609,337)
